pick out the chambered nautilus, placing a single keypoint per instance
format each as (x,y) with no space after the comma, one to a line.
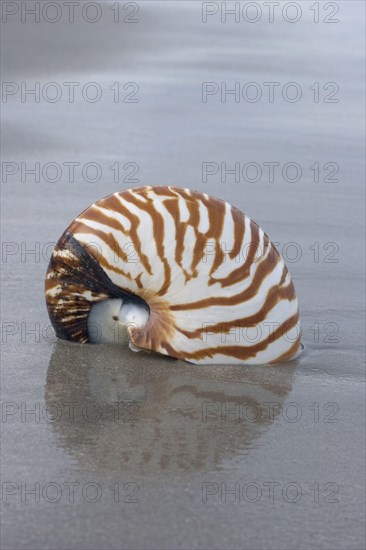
(177,272)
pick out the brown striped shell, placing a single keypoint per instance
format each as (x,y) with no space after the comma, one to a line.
(216,288)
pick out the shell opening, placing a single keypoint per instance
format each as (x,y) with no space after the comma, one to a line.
(112,321)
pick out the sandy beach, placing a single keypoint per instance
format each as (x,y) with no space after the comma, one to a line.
(126,450)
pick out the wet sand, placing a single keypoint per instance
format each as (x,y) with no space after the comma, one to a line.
(158,444)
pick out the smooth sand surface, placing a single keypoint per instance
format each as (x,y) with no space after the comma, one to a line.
(158,444)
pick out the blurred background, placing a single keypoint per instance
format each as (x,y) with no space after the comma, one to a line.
(262,105)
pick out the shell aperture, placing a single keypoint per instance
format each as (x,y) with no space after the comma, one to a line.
(109,320)
(186,274)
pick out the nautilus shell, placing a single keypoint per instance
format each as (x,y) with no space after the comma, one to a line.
(176,272)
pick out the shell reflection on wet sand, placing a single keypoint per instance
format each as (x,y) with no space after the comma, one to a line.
(177,424)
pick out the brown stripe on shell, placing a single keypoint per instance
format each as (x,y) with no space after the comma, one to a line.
(193,221)
(161,191)
(158,235)
(263,270)
(274,295)
(242,272)
(109,239)
(289,354)
(244,353)
(95,214)
(239,232)
(114,204)
(180,231)
(216,219)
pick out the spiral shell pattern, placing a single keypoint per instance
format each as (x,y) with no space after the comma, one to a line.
(217,289)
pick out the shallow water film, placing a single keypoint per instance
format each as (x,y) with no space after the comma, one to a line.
(262,105)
